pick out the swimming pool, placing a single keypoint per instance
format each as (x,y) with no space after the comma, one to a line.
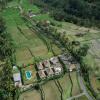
(28,75)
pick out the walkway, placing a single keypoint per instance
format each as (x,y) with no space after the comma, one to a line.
(77,96)
(82,86)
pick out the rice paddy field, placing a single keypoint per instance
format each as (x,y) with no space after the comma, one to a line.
(30,95)
(51,91)
(92,38)
(76,88)
(26,42)
(66,86)
(27,5)
(29,45)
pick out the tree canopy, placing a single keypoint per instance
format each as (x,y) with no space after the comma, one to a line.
(82,12)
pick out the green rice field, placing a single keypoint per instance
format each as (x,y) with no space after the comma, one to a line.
(26,42)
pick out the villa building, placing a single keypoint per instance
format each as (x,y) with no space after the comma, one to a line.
(42,74)
(49,72)
(46,63)
(40,66)
(17,77)
(54,60)
(72,67)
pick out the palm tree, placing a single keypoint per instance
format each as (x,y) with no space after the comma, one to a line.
(3,3)
(2,25)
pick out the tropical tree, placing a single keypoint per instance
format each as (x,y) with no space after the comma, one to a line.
(6,87)
(2,25)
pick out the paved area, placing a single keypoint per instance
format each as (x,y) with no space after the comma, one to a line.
(71,98)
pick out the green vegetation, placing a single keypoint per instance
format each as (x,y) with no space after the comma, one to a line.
(61,86)
(42,17)
(73,11)
(51,91)
(33,78)
(30,95)
(7,89)
(82,98)
(91,36)
(31,45)
(66,86)
(27,5)
(27,42)
(76,88)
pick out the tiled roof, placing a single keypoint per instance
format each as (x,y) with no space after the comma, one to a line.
(41,74)
(49,71)
(54,60)
(40,66)
(46,63)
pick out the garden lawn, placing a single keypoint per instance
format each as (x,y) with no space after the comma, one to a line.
(33,77)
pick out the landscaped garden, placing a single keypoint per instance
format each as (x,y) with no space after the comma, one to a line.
(28,74)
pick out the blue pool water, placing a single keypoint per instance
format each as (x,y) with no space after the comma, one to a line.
(28,74)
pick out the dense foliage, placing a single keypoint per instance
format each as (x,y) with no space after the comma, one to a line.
(6,50)
(81,12)
(3,3)
(5,43)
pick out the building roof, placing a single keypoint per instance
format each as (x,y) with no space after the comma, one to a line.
(57,70)
(58,65)
(54,60)
(31,14)
(72,67)
(46,63)
(15,69)
(18,84)
(17,77)
(49,71)
(67,59)
(66,62)
(41,74)
(63,57)
(40,66)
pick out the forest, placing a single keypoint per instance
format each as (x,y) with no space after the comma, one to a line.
(81,12)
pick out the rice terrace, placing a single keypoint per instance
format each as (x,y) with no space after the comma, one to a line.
(49,50)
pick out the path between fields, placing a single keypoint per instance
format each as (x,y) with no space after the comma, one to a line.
(77,96)
(83,87)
